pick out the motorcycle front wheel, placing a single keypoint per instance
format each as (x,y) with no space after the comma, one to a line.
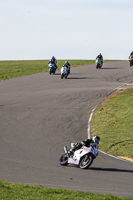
(64,159)
(85,161)
(61,76)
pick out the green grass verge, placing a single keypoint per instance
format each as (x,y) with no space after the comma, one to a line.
(11,69)
(113,122)
(13,191)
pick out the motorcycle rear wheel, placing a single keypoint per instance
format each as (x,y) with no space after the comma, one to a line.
(64,160)
(85,161)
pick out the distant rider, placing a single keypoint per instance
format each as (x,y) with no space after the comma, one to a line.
(100,57)
(94,140)
(53,61)
(131,54)
(131,58)
(67,65)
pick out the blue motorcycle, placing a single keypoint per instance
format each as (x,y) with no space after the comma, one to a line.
(52,68)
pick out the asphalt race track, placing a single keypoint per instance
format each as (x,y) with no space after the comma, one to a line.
(39,114)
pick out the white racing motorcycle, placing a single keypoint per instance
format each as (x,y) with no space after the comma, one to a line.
(82,157)
(64,72)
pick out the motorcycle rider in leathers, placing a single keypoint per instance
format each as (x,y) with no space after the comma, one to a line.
(53,61)
(100,57)
(67,65)
(131,54)
(95,140)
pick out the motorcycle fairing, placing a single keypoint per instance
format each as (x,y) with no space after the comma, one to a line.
(78,154)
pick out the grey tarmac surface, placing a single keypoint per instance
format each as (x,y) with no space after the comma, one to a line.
(39,114)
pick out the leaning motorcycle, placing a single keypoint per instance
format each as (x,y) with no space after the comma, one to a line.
(82,157)
(64,72)
(52,68)
(98,63)
(131,60)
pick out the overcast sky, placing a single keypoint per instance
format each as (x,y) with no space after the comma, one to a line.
(66,29)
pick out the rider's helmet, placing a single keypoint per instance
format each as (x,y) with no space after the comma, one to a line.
(96,139)
(66,62)
(53,57)
(131,53)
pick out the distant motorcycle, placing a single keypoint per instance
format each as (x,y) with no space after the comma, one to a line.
(52,68)
(82,157)
(64,72)
(98,63)
(131,60)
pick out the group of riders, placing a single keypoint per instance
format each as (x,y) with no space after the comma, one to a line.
(95,139)
(67,64)
(54,61)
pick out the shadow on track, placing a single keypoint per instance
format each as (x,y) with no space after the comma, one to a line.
(111,68)
(109,169)
(79,78)
(101,169)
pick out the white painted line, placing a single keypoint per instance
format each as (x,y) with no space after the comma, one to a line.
(120,86)
(115,157)
(89,122)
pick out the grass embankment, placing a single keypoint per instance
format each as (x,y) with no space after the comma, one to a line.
(11,69)
(113,122)
(11,191)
